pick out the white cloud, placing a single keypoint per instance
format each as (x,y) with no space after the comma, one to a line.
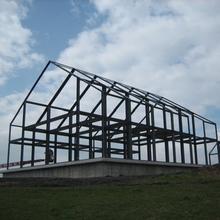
(16,41)
(167,47)
(8,107)
(16,52)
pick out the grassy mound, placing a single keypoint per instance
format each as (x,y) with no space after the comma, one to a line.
(193,195)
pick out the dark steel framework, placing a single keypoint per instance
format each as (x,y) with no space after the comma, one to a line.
(108,136)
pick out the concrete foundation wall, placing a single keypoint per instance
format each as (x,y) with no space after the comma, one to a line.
(99,168)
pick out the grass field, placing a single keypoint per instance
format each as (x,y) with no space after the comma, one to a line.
(181,196)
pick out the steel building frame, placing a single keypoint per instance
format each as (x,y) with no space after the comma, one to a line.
(132,137)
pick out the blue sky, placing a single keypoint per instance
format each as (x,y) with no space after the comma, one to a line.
(52,23)
(167,47)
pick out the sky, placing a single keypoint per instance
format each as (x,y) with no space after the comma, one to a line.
(168,47)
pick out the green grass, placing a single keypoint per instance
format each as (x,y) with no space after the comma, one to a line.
(185,196)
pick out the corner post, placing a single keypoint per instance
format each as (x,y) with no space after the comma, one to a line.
(91,155)
(194,139)
(104,123)
(33,148)
(22,135)
(190,142)
(218,145)
(147,112)
(9,146)
(205,144)
(76,151)
(70,137)
(181,137)
(128,127)
(153,134)
(173,137)
(47,158)
(165,141)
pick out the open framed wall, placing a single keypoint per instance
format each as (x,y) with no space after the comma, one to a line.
(79,115)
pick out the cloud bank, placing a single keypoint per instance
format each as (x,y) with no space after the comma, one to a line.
(16,41)
(167,47)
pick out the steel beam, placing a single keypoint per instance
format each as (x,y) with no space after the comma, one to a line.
(47,137)
(194,139)
(166,144)
(33,149)
(108,141)
(182,151)
(104,123)
(205,144)
(9,146)
(147,112)
(22,135)
(91,155)
(76,151)
(218,144)
(190,142)
(70,138)
(55,148)
(54,97)
(173,137)
(128,127)
(153,135)
(139,149)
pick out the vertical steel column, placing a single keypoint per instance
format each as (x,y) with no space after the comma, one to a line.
(33,148)
(76,151)
(205,144)
(55,148)
(165,140)
(9,146)
(194,139)
(93,148)
(125,141)
(108,140)
(104,122)
(47,153)
(147,112)
(128,127)
(153,134)
(218,145)
(22,135)
(139,148)
(181,137)
(190,142)
(91,155)
(70,137)
(218,150)
(173,137)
